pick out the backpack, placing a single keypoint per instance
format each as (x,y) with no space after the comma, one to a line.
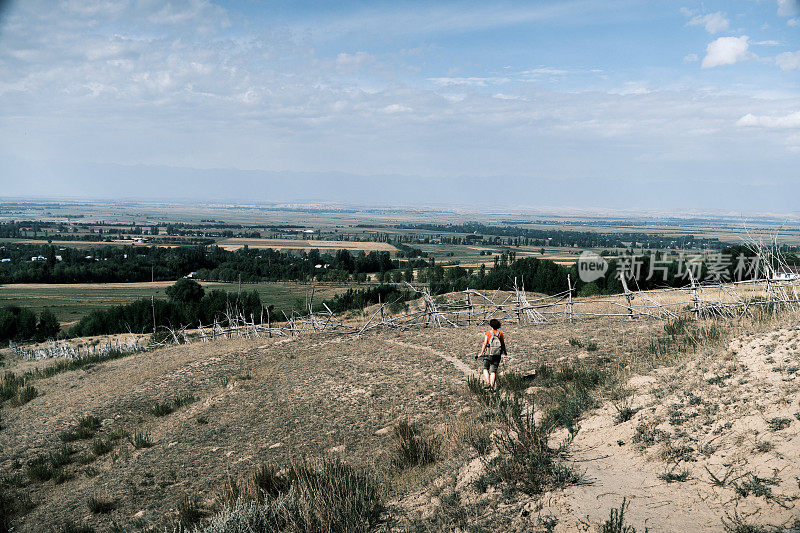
(494,347)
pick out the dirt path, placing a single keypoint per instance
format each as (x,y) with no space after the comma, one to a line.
(456,362)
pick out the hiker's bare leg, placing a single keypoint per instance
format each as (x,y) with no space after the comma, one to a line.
(492,377)
(486,377)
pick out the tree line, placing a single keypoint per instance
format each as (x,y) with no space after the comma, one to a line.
(145,263)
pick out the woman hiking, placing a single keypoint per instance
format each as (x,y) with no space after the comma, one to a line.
(493,348)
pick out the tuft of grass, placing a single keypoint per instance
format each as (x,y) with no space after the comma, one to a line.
(180,401)
(671,476)
(764,446)
(778,423)
(624,411)
(161,409)
(100,504)
(591,346)
(189,512)
(140,439)
(757,486)
(101,446)
(25,394)
(575,342)
(413,448)
(85,428)
(165,408)
(512,381)
(49,466)
(202,420)
(326,495)
(616,520)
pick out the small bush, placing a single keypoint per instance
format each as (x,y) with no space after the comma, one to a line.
(575,342)
(412,448)
(49,466)
(180,401)
(526,461)
(513,381)
(100,504)
(189,512)
(672,476)
(140,439)
(85,428)
(101,446)
(25,394)
(591,347)
(202,420)
(161,409)
(778,423)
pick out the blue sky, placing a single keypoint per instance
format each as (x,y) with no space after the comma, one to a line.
(622,94)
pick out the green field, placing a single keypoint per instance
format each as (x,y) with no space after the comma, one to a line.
(71,302)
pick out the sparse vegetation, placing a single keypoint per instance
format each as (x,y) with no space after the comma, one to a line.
(100,504)
(102,445)
(325,495)
(412,448)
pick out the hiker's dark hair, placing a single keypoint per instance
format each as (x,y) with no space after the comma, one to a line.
(494,323)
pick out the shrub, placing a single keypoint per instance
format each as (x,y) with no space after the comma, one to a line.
(101,446)
(525,460)
(189,512)
(161,409)
(778,423)
(25,394)
(413,448)
(513,381)
(672,476)
(85,428)
(140,439)
(100,504)
(326,496)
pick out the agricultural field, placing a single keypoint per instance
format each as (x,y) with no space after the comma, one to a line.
(70,302)
(305,244)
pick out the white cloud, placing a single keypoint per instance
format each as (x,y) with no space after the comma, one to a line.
(473,81)
(787,8)
(791,120)
(691,58)
(766,43)
(713,22)
(788,60)
(727,51)
(793,22)
(396,108)
(544,70)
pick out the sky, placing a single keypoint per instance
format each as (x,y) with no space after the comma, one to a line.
(605,103)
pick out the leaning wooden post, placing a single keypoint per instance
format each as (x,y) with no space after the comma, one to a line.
(628,295)
(569,285)
(695,299)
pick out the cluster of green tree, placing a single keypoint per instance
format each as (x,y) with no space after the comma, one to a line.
(642,272)
(188,305)
(143,263)
(516,236)
(403,250)
(359,299)
(20,324)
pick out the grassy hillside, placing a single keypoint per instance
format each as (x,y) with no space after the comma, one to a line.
(588,414)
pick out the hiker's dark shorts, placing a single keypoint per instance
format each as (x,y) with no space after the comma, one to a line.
(491,363)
